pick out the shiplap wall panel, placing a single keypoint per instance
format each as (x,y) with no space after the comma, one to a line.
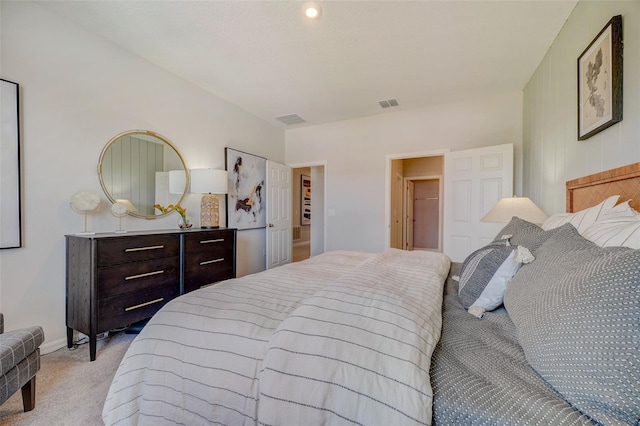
(551,150)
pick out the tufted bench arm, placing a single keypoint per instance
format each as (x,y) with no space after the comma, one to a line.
(19,362)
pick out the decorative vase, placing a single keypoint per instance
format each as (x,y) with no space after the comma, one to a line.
(184,223)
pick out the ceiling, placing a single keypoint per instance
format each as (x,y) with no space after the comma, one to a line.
(268,59)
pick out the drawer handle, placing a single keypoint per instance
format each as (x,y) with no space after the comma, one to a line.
(131,308)
(217,240)
(206,262)
(148,274)
(143,248)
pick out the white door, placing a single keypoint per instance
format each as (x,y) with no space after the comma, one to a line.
(278,214)
(474,181)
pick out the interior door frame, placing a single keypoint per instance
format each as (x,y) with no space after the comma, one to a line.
(387,183)
(317,163)
(440,179)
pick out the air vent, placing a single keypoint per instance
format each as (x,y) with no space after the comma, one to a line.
(291,119)
(387,103)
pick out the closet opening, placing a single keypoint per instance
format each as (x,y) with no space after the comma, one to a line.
(416,203)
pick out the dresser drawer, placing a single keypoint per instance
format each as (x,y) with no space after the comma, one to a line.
(114,251)
(128,277)
(208,240)
(117,311)
(206,268)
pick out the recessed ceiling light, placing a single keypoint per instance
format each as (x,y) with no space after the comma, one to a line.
(312,10)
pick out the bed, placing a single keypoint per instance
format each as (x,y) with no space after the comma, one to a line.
(388,338)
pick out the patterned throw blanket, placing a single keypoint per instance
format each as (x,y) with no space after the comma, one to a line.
(342,338)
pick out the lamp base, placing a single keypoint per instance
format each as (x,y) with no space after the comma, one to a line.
(209,215)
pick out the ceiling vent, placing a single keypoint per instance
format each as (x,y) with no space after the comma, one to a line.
(388,103)
(291,119)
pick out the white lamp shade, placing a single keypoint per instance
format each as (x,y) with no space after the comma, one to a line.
(208,181)
(521,207)
(177,181)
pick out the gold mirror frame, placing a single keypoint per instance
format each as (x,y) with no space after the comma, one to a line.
(148,136)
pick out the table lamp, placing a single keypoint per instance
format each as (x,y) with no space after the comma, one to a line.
(521,207)
(209,182)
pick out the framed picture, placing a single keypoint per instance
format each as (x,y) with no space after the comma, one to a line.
(10,212)
(246,174)
(305,200)
(600,81)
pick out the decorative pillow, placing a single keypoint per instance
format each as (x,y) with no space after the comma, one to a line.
(519,232)
(621,210)
(515,227)
(576,311)
(621,231)
(582,219)
(485,274)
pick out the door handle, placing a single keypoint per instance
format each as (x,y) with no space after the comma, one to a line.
(271,225)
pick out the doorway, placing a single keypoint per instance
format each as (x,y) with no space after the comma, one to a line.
(301,214)
(423,203)
(415,202)
(308,210)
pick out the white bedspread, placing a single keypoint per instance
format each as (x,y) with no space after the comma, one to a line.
(342,338)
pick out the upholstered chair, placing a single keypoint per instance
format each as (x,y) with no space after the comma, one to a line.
(19,363)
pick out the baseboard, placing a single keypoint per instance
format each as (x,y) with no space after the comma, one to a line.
(47,348)
(301,243)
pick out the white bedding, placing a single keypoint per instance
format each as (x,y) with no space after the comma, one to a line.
(342,338)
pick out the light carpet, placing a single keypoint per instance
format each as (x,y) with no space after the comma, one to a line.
(70,390)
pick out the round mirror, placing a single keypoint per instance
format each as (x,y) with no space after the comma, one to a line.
(134,170)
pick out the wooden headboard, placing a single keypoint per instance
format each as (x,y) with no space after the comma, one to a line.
(590,190)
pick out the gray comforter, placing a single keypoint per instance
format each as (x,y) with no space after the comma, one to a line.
(480,376)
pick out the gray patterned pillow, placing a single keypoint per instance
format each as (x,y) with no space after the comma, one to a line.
(516,227)
(485,275)
(576,311)
(523,233)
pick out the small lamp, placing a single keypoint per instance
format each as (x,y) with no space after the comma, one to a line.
(521,207)
(209,182)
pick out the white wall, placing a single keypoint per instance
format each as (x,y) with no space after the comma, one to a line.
(355,152)
(552,152)
(77,92)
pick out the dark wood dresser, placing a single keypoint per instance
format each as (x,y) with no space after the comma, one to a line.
(114,280)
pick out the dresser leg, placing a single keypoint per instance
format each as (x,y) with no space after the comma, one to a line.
(92,347)
(69,337)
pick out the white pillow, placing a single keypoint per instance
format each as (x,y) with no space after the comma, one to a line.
(615,232)
(621,210)
(486,273)
(582,219)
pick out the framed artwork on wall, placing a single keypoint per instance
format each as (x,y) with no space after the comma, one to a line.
(246,174)
(600,81)
(10,209)
(305,200)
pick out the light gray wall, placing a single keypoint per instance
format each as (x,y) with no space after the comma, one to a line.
(317,211)
(552,153)
(356,153)
(77,92)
